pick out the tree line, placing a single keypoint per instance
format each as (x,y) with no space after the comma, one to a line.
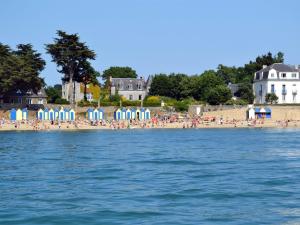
(20,69)
(212,85)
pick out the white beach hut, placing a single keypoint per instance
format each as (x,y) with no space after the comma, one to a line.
(19,114)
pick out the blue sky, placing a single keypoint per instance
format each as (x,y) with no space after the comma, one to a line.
(158,36)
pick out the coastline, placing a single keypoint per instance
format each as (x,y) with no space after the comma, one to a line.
(25,127)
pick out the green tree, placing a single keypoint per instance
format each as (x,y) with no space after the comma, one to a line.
(53,94)
(70,55)
(271,98)
(160,85)
(245,92)
(20,69)
(205,83)
(218,95)
(118,72)
(88,75)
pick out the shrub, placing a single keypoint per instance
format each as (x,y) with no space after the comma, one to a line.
(61,101)
(236,102)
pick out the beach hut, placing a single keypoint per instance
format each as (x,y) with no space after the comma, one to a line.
(133,113)
(67,114)
(147,114)
(89,113)
(142,115)
(251,114)
(61,114)
(51,114)
(101,114)
(268,113)
(124,114)
(56,114)
(128,114)
(257,112)
(19,114)
(25,114)
(118,114)
(40,114)
(95,114)
(46,114)
(138,114)
(72,114)
(13,114)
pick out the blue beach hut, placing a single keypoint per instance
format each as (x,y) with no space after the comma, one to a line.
(268,113)
(89,114)
(13,114)
(147,114)
(56,114)
(138,114)
(40,114)
(96,114)
(128,114)
(25,114)
(61,115)
(124,114)
(72,114)
(67,114)
(118,114)
(142,116)
(46,114)
(51,114)
(133,113)
(101,114)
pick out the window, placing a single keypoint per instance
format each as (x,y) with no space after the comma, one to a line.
(130,86)
(130,97)
(140,86)
(40,101)
(283,75)
(272,88)
(283,90)
(272,75)
(29,101)
(140,97)
(294,75)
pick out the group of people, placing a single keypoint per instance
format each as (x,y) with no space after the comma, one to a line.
(166,121)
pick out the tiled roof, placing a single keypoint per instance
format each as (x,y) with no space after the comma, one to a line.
(280,67)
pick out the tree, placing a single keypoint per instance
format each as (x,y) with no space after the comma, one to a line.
(118,72)
(88,75)
(70,55)
(245,92)
(271,98)
(53,94)
(20,69)
(160,85)
(205,82)
(218,95)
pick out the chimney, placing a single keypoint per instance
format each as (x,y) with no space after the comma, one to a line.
(264,66)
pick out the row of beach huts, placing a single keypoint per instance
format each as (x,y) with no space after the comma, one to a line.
(92,114)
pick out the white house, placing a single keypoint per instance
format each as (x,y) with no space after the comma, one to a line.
(278,78)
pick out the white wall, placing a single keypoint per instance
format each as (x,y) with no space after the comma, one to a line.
(289,86)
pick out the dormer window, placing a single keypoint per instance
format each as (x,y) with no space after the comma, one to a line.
(283,75)
(294,75)
(140,86)
(272,75)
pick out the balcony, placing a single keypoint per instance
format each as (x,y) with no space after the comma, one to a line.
(284,92)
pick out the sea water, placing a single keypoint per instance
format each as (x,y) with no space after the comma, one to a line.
(208,176)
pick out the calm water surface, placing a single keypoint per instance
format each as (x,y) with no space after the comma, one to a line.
(213,176)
